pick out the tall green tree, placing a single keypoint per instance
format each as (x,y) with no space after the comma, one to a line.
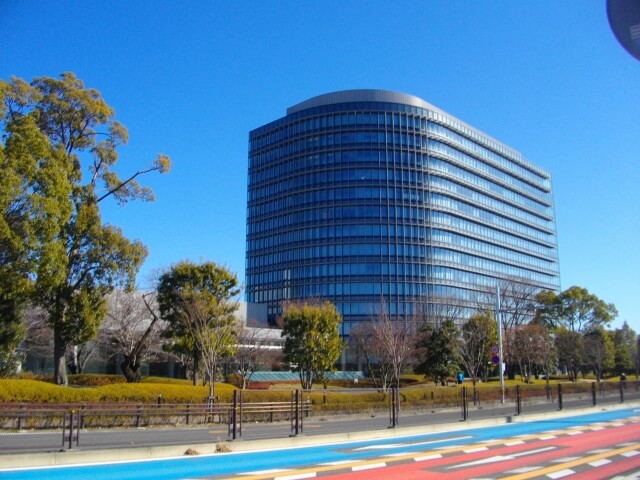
(626,349)
(198,302)
(599,351)
(438,351)
(570,348)
(60,145)
(312,342)
(575,309)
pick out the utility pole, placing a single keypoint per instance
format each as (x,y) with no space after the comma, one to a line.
(500,362)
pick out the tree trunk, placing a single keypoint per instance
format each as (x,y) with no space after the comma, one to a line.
(131,370)
(59,359)
(196,369)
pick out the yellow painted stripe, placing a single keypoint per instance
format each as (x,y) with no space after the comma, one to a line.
(573,463)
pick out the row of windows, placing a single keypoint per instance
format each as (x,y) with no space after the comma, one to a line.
(385,159)
(453,154)
(390,159)
(452,257)
(491,203)
(326,274)
(291,223)
(414,303)
(382,120)
(481,151)
(355,176)
(487,186)
(281,164)
(473,228)
(375,175)
(391,139)
(446,202)
(334,141)
(386,214)
(381,233)
(284,127)
(414,262)
(476,246)
(328,252)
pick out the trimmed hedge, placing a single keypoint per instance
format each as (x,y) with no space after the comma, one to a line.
(34,391)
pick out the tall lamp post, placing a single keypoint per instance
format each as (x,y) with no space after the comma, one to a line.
(500,362)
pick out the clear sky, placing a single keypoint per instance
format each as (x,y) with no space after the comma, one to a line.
(191,79)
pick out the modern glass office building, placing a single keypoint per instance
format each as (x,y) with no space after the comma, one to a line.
(370,198)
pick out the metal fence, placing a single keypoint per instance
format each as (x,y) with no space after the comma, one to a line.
(472,401)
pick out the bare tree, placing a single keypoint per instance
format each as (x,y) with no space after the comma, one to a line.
(533,349)
(362,336)
(517,308)
(395,342)
(132,329)
(254,350)
(479,334)
(436,310)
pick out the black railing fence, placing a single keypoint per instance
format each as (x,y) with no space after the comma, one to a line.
(468,399)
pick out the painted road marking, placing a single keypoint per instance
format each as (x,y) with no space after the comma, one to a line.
(553,470)
(501,458)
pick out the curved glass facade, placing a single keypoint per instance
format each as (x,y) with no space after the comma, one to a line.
(367,195)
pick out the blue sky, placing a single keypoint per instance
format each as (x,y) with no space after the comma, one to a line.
(191,79)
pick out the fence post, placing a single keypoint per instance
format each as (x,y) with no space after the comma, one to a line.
(20,416)
(621,392)
(295,410)
(518,401)
(138,415)
(594,396)
(240,414)
(234,419)
(187,413)
(559,396)
(301,409)
(393,409)
(465,405)
(71,419)
(64,429)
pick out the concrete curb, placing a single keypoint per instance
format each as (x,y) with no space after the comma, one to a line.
(79,457)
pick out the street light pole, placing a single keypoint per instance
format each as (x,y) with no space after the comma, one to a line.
(500,363)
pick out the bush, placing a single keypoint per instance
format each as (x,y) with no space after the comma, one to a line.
(35,391)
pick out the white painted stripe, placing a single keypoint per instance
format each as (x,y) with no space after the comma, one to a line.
(565,459)
(576,432)
(474,450)
(524,470)
(512,444)
(336,463)
(370,466)
(561,474)
(380,447)
(599,450)
(632,453)
(547,437)
(297,477)
(599,463)
(427,457)
(267,472)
